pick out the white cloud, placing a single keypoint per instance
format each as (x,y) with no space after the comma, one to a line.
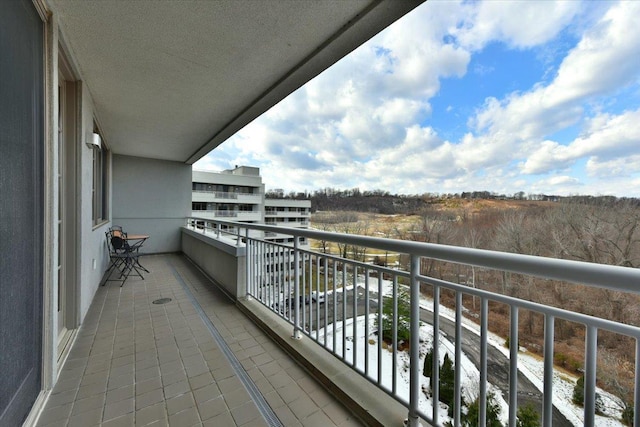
(619,167)
(398,111)
(549,156)
(562,185)
(603,61)
(364,122)
(608,137)
(513,22)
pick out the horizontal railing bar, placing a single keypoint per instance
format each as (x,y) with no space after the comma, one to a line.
(601,275)
(359,264)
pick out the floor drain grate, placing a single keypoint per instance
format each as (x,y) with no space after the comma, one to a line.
(162,301)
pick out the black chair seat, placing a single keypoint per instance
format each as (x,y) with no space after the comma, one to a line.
(123,257)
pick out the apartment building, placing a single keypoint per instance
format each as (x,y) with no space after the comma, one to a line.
(235,194)
(287,213)
(238,195)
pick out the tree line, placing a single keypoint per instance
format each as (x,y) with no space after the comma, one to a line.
(384,202)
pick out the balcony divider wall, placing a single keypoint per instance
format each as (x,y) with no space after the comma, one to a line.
(151,197)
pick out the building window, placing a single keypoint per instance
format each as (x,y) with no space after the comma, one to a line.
(100,193)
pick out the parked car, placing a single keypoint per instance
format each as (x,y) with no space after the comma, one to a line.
(317,297)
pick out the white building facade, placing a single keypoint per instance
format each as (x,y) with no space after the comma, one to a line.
(238,195)
(235,194)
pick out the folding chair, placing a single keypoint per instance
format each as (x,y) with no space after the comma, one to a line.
(115,260)
(123,257)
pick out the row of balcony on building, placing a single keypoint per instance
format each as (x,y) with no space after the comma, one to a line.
(238,194)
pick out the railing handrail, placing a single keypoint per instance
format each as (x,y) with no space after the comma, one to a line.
(227,194)
(612,277)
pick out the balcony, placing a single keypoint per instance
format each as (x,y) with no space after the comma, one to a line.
(194,360)
(235,215)
(164,364)
(286,214)
(190,360)
(225,197)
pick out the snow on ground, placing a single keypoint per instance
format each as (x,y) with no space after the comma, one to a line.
(470,374)
(532,367)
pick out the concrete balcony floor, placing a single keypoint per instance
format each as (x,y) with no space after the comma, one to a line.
(194,361)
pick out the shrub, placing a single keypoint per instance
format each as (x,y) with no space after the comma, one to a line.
(527,416)
(447,384)
(574,364)
(404,318)
(560,359)
(578,392)
(507,343)
(446,376)
(472,417)
(627,415)
(427,369)
(578,396)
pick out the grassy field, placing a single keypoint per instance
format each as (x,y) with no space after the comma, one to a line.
(368,224)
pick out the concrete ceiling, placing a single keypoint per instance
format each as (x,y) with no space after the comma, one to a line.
(174,79)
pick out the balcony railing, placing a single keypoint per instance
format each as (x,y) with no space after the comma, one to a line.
(224,213)
(231,195)
(286,213)
(353,310)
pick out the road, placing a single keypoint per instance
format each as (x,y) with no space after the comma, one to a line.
(497,368)
(497,363)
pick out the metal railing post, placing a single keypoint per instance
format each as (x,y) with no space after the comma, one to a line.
(435,373)
(547,404)
(484,326)
(296,288)
(414,357)
(590,366)
(457,389)
(636,394)
(247,266)
(513,367)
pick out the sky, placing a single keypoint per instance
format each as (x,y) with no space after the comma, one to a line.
(534,96)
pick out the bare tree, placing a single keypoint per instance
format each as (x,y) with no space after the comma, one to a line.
(613,372)
(472,237)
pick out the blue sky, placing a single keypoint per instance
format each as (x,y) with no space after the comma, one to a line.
(533,96)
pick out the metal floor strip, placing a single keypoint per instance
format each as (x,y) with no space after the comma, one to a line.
(265,410)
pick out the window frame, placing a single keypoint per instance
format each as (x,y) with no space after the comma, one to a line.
(100,184)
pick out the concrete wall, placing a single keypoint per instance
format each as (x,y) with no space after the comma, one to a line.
(223,262)
(151,197)
(94,255)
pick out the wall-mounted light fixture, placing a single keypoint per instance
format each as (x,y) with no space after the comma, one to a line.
(94,141)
